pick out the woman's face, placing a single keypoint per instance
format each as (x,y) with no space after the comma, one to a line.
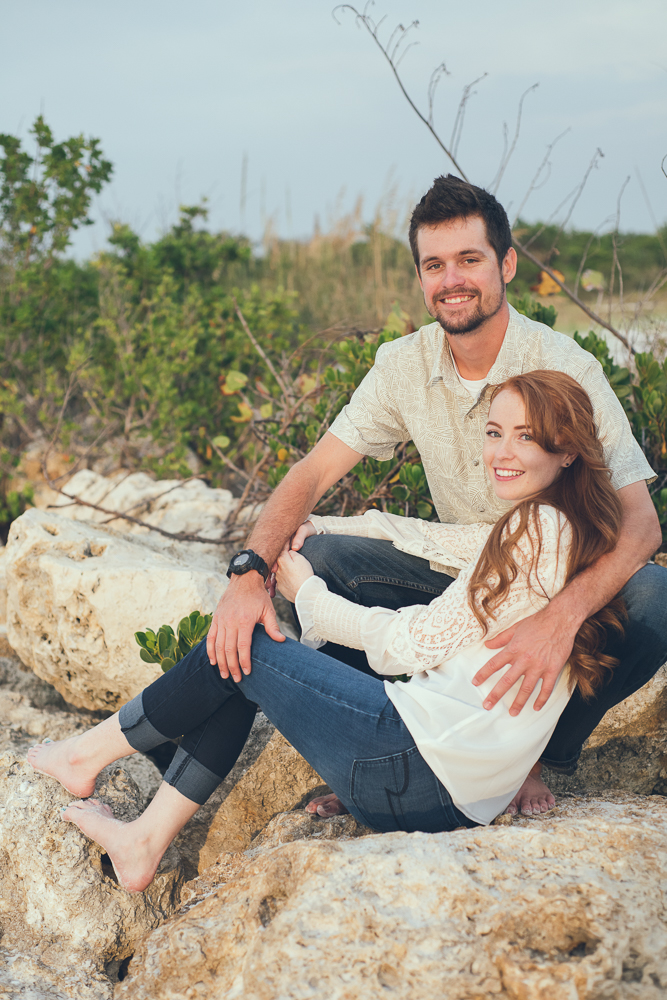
(515,463)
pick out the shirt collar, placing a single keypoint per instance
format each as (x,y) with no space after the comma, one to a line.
(509,361)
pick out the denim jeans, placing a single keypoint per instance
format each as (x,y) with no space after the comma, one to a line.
(372,572)
(338,718)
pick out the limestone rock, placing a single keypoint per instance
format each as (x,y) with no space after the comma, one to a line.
(628,750)
(171,504)
(565,906)
(77,593)
(279,780)
(60,904)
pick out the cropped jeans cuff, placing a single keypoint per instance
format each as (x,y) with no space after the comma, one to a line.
(562,766)
(136,728)
(191,778)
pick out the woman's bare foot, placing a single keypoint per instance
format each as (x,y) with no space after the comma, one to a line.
(134,859)
(63,761)
(533,797)
(326,806)
(76,762)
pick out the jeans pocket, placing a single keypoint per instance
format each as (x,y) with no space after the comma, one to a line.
(400,792)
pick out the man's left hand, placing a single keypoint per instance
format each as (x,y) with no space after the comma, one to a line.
(537,649)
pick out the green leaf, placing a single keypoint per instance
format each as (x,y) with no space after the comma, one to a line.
(148,657)
(167,663)
(221,441)
(234,382)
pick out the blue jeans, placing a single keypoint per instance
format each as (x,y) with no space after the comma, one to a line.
(338,718)
(371,572)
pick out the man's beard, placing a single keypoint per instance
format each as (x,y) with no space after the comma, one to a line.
(470,322)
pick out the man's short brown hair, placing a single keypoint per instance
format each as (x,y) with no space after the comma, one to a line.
(451,198)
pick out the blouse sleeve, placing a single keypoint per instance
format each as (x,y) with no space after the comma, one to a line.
(454,545)
(422,637)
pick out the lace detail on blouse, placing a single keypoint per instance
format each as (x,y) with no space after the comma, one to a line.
(432,634)
(422,637)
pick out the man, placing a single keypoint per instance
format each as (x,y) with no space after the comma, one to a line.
(433,387)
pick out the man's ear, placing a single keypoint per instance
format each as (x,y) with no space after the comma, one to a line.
(509,265)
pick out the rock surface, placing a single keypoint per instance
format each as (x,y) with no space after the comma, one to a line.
(171,504)
(78,592)
(565,906)
(60,904)
(279,780)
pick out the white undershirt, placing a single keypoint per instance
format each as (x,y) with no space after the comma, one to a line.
(474,386)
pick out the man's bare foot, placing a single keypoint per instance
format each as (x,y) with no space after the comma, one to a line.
(533,797)
(134,860)
(326,806)
(63,761)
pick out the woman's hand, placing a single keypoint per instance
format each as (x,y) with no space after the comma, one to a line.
(293,570)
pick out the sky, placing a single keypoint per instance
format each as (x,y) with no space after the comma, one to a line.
(183,94)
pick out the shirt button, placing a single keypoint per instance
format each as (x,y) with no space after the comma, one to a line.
(482,509)
(476,462)
(470,416)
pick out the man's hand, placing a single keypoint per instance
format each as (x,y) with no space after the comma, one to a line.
(244,604)
(537,648)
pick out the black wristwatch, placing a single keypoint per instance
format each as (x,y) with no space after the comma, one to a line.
(245,560)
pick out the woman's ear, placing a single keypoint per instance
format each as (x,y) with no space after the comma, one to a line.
(568,460)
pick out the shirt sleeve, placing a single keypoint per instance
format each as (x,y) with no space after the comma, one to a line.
(371,423)
(423,637)
(622,453)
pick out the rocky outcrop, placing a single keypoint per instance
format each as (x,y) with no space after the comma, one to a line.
(567,905)
(60,903)
(78,592)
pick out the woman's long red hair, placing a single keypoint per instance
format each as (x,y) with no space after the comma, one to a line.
(560,417)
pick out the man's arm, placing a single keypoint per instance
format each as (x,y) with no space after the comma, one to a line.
(245,602)
(539,646)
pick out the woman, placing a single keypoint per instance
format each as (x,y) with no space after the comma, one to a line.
(423,755)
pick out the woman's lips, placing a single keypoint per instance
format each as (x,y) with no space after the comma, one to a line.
(507,475)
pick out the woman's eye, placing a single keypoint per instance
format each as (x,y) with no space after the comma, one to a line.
(526,437)
(492,434)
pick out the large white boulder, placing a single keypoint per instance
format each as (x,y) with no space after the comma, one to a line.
(569,905)
(77,592)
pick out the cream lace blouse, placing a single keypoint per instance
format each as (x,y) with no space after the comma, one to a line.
(482,757)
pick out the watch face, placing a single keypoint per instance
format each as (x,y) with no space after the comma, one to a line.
(241,559)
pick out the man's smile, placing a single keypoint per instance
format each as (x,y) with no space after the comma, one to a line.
(458,299)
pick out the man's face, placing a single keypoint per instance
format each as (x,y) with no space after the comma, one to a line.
(458,270)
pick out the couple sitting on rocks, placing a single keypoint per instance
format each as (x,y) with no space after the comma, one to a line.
(526,613)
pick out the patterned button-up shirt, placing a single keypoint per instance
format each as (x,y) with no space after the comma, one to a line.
(413,393)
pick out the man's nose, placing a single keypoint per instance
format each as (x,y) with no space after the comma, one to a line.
(452,276)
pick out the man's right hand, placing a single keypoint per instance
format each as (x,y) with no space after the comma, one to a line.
(244,604)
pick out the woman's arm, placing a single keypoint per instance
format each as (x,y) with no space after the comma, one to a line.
(449,544)
(422,637)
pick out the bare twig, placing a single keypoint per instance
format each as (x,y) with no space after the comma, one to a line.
(535,184)
(457,131)
(372,29)
(262,353)
(507,156)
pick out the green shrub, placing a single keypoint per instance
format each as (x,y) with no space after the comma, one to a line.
(166,648)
